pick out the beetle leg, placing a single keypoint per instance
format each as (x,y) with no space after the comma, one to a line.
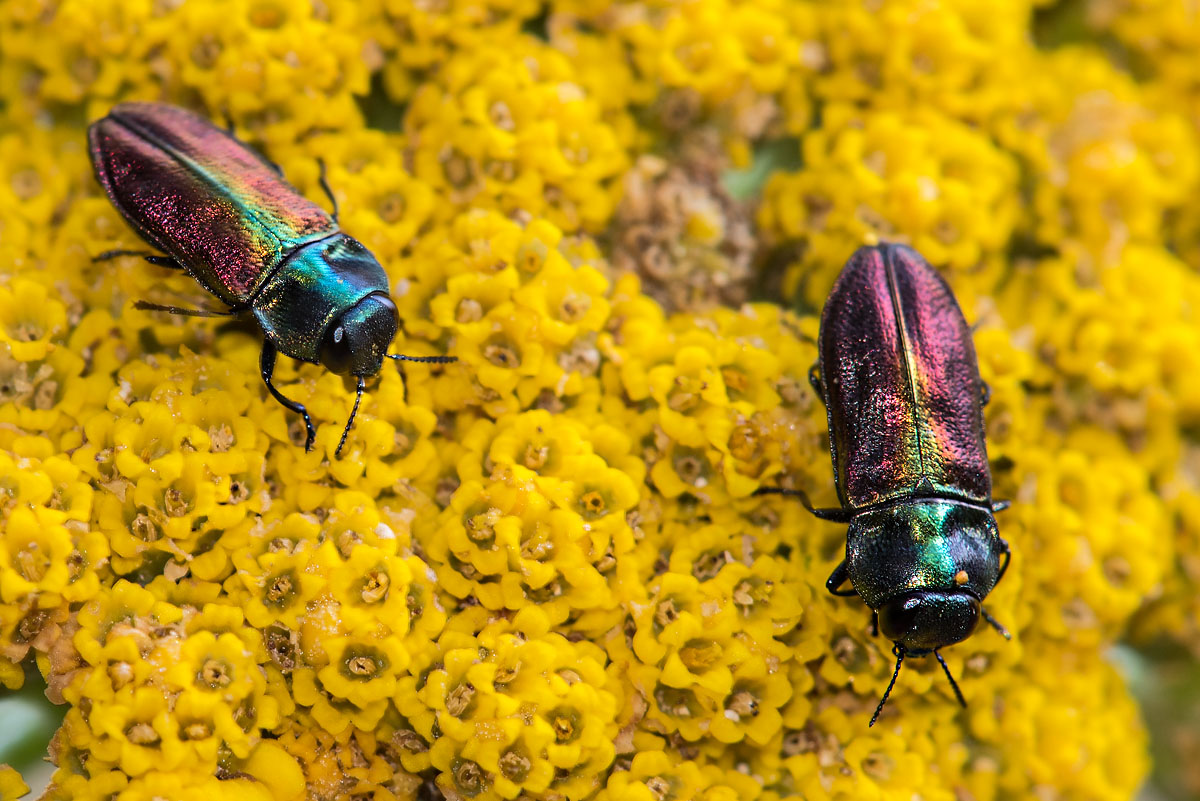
(996,624)
(839,576)
(985,393)
(230,130)
(814,379)
(874,623)
(328,191)
(791,326)
(836,514)
(1007,559)
(1000,506)
(267,363)
(146,306)
(357,400)
(153,258)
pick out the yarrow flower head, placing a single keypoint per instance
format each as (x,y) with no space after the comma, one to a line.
(544,571)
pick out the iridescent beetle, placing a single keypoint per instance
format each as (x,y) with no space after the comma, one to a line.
(898,374)
(226,217)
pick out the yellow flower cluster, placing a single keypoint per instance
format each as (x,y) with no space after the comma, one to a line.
(888,175)
(541,572)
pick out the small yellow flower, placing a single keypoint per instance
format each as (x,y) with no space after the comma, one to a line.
(274,587)
(136,732)
(694,51)
(125,608)
(570,300)
(538,441)
(11,785)
(507,357)
(121,666)
(33,181)
(685,470)
(216,664)
(376,582)
(30,318)
(362,670)
(35,554)
(273,767)
(470,298)
(655,776)
(751,707)
(12,676)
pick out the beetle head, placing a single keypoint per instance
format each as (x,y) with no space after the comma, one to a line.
(355,342)
(924,565)
(924,621)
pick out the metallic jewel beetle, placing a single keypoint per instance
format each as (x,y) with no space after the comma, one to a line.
(898,374)
(226,217)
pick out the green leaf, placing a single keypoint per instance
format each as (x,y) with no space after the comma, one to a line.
(29,721)
(778,154)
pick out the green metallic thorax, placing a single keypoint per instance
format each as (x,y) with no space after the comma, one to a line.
(928,544)
(313,287)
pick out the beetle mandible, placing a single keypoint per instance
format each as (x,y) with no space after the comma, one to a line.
(226,217)
(897,371)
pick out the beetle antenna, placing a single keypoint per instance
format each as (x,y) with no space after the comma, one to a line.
(400,357)
(357,400)
(325,186)
(953,683)
(996,624)
(898,650)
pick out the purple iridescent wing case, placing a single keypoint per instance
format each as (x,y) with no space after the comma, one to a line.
(901,383)
(197,193)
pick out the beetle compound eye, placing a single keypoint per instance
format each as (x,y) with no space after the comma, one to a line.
(898,618)
(335,349)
